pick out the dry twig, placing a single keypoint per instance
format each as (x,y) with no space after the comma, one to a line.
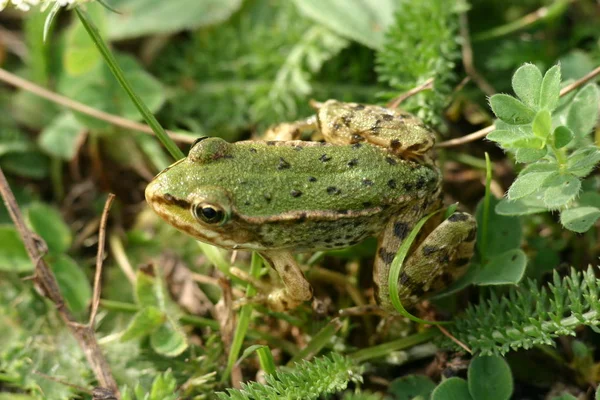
(467,57)
(40,91)
(46,282)
(483,132)
(393,104)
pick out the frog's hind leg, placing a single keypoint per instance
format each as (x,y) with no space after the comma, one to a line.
(440,258)
(296,288)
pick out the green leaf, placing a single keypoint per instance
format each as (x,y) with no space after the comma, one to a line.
(409,387)
(511,110)
(526,184)
(80,54)
(583,112)
(565,396)
(362,21)
(507,268)
(73,282)
(550,91)
(47,222)
(579,219)
(169,339)
(529,155)
(504,138)
(504,232)
(526,83)
(148,290)
(30,164)
(452,389)
(532,204)
(60,138)
(583,161)
(490,378)
(562,136)
(542,124)
(561,189)
(143,323)
(13,256)
(147,17)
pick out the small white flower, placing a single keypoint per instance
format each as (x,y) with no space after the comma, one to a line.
(26,5)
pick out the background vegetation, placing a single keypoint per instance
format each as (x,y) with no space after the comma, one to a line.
(525,317)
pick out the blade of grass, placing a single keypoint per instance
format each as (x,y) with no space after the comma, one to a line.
(396,268)
(265,358)
(243,319)
(384,349)
(486,206)
(117,72)
(317,342)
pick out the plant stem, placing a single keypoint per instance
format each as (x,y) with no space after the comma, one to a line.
(120,76)
(486,206)
(395,345)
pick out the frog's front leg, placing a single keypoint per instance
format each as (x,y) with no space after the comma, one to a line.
(437,261)
(296,288)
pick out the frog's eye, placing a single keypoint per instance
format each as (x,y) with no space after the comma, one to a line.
(208,213)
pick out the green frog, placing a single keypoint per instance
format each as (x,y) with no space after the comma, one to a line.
(373,175)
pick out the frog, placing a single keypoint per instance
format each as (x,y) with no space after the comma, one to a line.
(373,174)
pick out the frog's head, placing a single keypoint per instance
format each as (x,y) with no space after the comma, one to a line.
(188,195)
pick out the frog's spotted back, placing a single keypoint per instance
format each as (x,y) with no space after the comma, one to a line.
(400,132)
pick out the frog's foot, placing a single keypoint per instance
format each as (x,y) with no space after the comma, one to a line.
(290,130)
(437,261)
(296,288)
(440,259)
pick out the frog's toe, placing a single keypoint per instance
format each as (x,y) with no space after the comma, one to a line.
(440,259)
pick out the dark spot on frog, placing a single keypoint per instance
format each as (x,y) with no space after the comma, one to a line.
(395,144)
(324,158)
(302,217)
(271,142)
(246,203)
(296,193)
(342,211)
(357,138)
(283,164)
(429,250)
(356,146)
(328,240)
(367,182)
(228,156)
(420,183)
(444,259)
(353,162)
(286,268)
(267,197)
(404,278)
(312,179)
(387,117)
(358,107)
(333,190)
(386,256)
(253,150)
(367,204)
(460,262)
(472,234)
(458,216)
(298,148)
(401,230)
(407,186)
(346,119)
(392,184)
(337,126)
(391,161)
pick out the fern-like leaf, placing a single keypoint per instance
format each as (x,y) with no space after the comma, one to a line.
(308,380)
(421,44)
(529,316)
